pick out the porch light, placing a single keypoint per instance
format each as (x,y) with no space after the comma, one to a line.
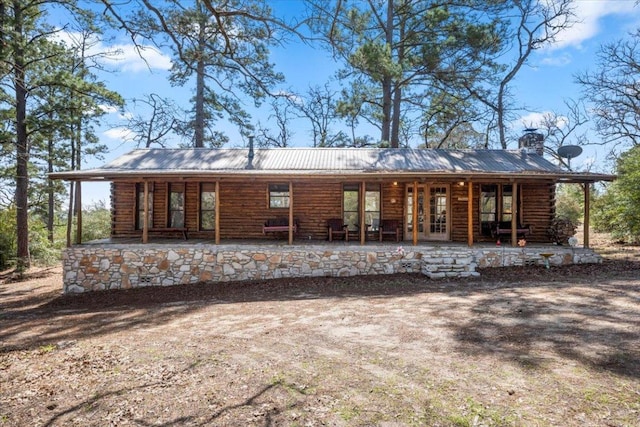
(461,183)
(395,183)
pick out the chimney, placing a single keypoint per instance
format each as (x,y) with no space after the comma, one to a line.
(532,142)
(250,156)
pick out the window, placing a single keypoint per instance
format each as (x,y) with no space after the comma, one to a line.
(496,204)
(176,205)
(350,211)
(207,206)
(278,196)
(351,206)
(140,206)
(507,203)
(488,207)
(372,206)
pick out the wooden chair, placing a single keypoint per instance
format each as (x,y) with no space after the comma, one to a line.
(390,227)
(337,227)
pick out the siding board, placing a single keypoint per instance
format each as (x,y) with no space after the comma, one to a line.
(244,207)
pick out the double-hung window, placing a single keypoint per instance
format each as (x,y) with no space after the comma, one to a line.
(176,205)
(207,206)
(351,206)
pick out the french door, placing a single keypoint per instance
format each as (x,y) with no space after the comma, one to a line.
(432,220)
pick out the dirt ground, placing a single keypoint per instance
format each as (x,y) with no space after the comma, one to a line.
(520,346)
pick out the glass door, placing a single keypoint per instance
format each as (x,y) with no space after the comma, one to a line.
(438,217)
(432,220)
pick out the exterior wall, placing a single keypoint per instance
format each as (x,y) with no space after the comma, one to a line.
(244,207)
(96,267)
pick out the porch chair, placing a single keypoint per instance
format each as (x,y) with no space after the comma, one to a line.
(337,227)
(390,227)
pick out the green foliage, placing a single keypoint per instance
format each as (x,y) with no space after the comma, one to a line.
(570,202)
(96,222)
(397,52)
(41,250)
(617,211)
(7,237)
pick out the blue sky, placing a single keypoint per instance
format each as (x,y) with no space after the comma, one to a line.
(543,85)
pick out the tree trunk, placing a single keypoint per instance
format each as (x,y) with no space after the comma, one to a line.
(397,96)
(198,137)
(500,116)
(22,147)
(386,84)
(51,198)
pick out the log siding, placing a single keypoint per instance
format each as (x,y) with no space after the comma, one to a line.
(244,208)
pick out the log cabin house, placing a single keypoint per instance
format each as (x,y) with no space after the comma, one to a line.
(291,194)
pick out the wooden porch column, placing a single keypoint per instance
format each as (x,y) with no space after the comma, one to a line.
(217,213)
(79,212)
(145,213)
(363,224)
(290,213)
(470,213)
(416,222)
(514,211)
(587,209)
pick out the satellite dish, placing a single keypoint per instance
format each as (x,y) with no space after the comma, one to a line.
(569,152)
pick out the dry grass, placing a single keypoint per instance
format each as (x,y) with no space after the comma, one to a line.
(517,347)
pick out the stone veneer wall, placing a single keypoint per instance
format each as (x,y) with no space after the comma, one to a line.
(125,266)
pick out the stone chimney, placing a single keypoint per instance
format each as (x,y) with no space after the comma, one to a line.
(532,142)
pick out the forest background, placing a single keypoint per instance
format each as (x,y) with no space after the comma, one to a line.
(85,81)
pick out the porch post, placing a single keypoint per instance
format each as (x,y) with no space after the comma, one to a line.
(216,213)
(363,224)
(79,212)
(514,211)
(470,213)
(290,213)
(587,209)
(145,213)
(416,222)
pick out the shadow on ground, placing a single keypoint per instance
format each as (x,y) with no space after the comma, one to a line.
(589,313)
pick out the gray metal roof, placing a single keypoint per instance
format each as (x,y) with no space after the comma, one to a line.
(326,161)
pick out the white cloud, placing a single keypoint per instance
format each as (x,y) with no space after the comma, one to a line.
(127,57)
(538,120)
(589,14)
(120,134)
(531,120)
(124,57)
(108,108)
(557,61)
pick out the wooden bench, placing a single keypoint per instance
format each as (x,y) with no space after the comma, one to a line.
(278,225)
(503,228)
(168,230)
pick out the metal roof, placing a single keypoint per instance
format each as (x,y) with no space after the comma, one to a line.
(154,162)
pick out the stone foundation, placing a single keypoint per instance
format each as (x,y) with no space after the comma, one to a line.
(125,266)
